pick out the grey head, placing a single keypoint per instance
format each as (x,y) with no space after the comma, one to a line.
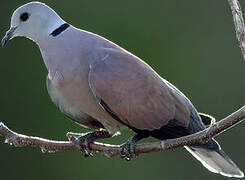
(33,20)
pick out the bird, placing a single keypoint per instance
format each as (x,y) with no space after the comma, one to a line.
(102,86)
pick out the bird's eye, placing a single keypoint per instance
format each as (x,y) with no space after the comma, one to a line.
(24,16)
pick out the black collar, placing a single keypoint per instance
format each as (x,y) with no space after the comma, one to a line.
(59,29)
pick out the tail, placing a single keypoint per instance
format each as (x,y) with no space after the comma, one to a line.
(215,160)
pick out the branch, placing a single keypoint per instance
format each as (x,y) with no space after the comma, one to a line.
(19,140)
(239,24)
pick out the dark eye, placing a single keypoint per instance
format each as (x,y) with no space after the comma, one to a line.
(24,16)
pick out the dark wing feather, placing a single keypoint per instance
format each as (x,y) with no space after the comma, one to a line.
(132,90)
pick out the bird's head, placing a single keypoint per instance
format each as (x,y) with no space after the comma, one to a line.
(33,20)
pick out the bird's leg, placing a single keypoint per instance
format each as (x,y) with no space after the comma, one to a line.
(127,150)
(83,140)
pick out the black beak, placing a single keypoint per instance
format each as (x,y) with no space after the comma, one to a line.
(9,34)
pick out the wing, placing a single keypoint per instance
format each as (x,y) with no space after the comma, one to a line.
(131,91)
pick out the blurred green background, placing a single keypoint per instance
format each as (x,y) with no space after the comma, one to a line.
(190,43)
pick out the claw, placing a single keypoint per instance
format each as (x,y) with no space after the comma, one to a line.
(126,150)
(82,140)
(83,143)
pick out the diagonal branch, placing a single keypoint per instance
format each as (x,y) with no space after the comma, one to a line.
(239,24)
(108,150)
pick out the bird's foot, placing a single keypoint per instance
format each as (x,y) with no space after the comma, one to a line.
(83,141)
(127,150)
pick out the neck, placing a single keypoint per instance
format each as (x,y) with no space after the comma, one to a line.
(54,23)
(59,30)
(50,46)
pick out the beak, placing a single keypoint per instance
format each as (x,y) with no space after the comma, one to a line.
(9,34)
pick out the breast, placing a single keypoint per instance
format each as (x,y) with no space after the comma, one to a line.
(70,109)
(68,86)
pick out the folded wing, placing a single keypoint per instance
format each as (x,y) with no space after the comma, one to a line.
(132,91)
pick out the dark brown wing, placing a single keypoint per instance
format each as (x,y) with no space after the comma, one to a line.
(132,90)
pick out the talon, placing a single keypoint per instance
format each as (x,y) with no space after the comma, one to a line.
(83,143)
(83,140)
(126,150)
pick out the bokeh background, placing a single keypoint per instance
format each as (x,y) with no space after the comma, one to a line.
(190,43)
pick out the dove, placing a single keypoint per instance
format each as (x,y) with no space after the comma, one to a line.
(102,86)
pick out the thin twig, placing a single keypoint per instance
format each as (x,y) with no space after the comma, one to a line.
(239,24)
(108,150)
